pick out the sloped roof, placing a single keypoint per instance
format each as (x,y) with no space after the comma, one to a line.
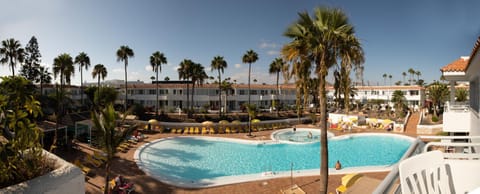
(459,65)
(474,51)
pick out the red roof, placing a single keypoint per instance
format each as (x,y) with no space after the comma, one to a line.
(456,66)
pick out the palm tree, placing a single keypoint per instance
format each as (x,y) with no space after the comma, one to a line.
(418,74)
(319,40)
(156,61)
(398,98)
(384,79)
(105,122)
(351,55)
(219,64)
(390,77)
(249,57)
(45,77)
(184,73)
(198,77)
(100,72)
(438,93)
(461,95)
(275,68)
(411,72)
(11,52)
(123,53)
(62,66)
(83,61)
(404,74)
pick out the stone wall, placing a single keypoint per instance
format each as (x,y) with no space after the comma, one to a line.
(66,178)
(429,129)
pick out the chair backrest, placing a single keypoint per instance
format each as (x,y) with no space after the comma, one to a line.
(425,173)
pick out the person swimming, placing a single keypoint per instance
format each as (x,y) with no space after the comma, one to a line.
(338,165)
(310,135)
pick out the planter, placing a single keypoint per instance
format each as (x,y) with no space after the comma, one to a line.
(65,178)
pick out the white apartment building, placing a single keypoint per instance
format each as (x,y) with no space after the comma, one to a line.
(173,94)
(463,118)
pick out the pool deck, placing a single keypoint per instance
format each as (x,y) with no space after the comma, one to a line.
(125,165)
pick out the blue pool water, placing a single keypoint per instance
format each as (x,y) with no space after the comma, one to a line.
(195,158)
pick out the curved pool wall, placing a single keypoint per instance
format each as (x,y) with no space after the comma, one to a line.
(300,135)
(170,178)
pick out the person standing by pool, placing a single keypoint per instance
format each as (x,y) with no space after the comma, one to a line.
(294,129)
(338,165)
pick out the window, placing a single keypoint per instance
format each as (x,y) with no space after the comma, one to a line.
(151,91)
(413,92)
(242,92)
(253,92)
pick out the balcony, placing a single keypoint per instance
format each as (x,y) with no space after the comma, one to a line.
(457,118)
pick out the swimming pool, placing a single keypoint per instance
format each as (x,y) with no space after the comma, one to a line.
(210,161)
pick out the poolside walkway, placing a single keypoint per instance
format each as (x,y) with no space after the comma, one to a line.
(124,165)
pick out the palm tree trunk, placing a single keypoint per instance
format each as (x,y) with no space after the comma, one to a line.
(156,107)
(13,68)
(98,92)
(193,94)
(278,94)
(81,86)
(323,127)
(107,177)
(188,100)
(249,117)
(219,94)
(126,88)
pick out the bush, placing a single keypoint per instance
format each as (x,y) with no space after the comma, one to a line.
(434,119)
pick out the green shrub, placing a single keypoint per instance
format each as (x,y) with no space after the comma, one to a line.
(434,119)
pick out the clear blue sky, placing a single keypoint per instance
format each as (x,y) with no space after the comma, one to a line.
(396,35)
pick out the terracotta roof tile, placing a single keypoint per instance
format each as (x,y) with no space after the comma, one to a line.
(457,65)
(474,51)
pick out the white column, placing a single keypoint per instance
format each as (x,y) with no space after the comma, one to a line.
(452,92)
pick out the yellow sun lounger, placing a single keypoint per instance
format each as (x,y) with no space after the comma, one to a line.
(84,169)
(347,181)
(93,161)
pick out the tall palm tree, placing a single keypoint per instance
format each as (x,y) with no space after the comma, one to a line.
(45,77)
(319,39)
(384,79)
(411,72)
(275,68)
(219,64)
(62,67)
(390,77)
(351,56)
(11,52)
(83,61)
(249,57)
(123,53)
(418,74)
(100,72)
(404,74)
(198,77)
(184,73)
(105,122)
(156,61)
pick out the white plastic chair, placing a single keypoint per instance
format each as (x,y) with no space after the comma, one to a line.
(425,173)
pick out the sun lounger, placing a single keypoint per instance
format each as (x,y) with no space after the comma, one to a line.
(212,130)
(84,169)
(347,181)
(93,161)
(197,131)
(192,131)
(99,156)
(204,130)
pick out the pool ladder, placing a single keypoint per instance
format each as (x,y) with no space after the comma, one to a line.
(268,171)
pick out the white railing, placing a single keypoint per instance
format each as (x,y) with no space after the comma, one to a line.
(456,148)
